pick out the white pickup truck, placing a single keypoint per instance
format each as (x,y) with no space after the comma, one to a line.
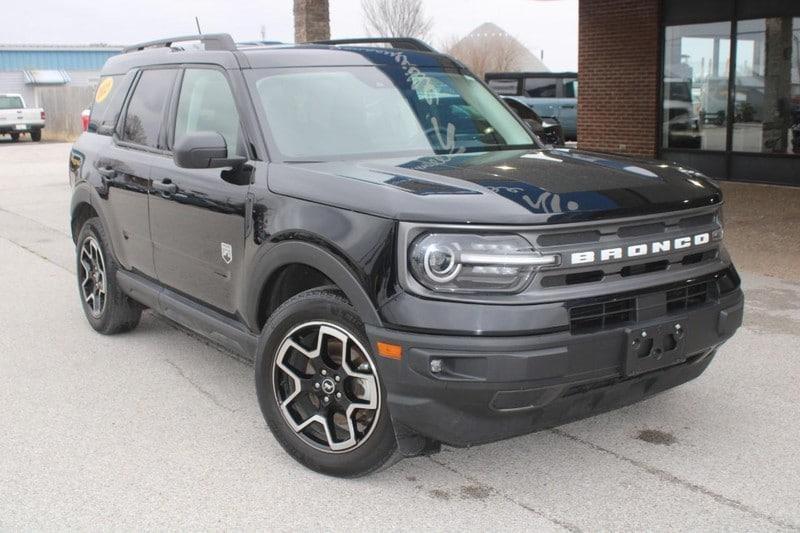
(16,119)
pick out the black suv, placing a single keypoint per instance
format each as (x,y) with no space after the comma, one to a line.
(407,264)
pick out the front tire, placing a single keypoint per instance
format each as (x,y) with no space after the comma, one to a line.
(106,307)
(319,388)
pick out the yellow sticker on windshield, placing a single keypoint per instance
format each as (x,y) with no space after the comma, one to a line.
(104,89)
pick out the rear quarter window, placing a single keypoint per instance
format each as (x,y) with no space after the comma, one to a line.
(107,104)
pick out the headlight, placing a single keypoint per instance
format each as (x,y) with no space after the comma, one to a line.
(463,263)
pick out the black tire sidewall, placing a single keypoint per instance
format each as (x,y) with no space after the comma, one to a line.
(120,313)
(327,306)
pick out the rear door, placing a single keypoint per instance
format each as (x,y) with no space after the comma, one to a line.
(197,218)
(124,167)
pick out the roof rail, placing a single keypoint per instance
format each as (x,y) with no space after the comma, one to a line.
(211,41)
(401,43)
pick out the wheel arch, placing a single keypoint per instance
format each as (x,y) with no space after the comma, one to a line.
(298,254)
(81,210)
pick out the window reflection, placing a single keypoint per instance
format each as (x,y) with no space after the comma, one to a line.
(767,95)
(696,66)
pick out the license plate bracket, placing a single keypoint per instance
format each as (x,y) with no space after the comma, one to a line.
(655,346)
(20,127)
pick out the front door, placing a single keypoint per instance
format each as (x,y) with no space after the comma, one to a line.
(197,218)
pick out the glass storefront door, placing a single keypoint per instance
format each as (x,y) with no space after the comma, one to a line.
(767,87)
(695,91)
(731,89)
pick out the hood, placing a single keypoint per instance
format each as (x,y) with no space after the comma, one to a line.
(506,187)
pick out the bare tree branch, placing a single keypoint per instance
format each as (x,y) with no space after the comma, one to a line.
(396,18)
(484,53)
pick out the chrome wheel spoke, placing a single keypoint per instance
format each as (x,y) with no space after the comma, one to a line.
(92,278)
(322,398)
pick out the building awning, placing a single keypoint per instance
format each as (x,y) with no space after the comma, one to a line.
(46,77)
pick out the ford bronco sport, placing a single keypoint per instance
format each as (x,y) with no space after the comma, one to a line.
(403,259)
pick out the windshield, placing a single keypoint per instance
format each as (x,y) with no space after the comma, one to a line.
(323,113)
(10,102)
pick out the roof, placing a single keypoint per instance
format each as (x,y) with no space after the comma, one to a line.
(277,56)
(55,56)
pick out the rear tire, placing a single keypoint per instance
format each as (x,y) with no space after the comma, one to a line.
(319,389)
(14,137)
(106,307)
(36,135)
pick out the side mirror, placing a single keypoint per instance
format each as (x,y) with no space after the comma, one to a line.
(204,149)
(535,126)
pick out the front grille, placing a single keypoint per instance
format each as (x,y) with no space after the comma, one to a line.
(688,297)
(625,309)
(621,236)
(604,315)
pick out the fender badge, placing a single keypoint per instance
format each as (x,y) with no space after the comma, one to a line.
(226,251)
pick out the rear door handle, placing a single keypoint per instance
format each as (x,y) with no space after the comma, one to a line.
(165,186)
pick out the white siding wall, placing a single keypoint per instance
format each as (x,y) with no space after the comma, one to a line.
(14,82)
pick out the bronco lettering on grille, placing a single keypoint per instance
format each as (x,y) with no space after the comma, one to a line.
(638,250)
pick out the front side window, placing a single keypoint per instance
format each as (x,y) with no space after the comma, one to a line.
(334,112)
(206,104)
(146,107)
(10,102)
(540,87)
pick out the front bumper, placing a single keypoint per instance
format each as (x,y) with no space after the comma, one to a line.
(491,388)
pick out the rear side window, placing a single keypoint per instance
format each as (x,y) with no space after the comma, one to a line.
(505,87)
(206,104)
(108,100)
(146,107)
(540,87)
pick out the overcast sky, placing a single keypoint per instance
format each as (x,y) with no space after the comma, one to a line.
(549,25)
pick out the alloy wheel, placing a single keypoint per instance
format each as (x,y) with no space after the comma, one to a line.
(93,276)
(326,387)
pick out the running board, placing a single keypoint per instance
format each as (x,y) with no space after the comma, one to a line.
(222,330)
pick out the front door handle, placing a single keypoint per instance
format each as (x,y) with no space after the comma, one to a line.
(165,186)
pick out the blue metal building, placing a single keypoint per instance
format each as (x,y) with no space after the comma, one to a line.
(25,67)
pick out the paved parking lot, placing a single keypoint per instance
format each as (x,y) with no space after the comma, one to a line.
(158,429)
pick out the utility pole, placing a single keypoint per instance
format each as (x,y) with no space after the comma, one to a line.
(311,20)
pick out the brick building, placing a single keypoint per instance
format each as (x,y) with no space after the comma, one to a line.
(712,84)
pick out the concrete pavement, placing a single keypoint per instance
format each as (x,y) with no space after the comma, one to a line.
(159,429)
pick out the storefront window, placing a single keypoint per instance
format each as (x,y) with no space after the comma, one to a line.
(767,95)
(695,103)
